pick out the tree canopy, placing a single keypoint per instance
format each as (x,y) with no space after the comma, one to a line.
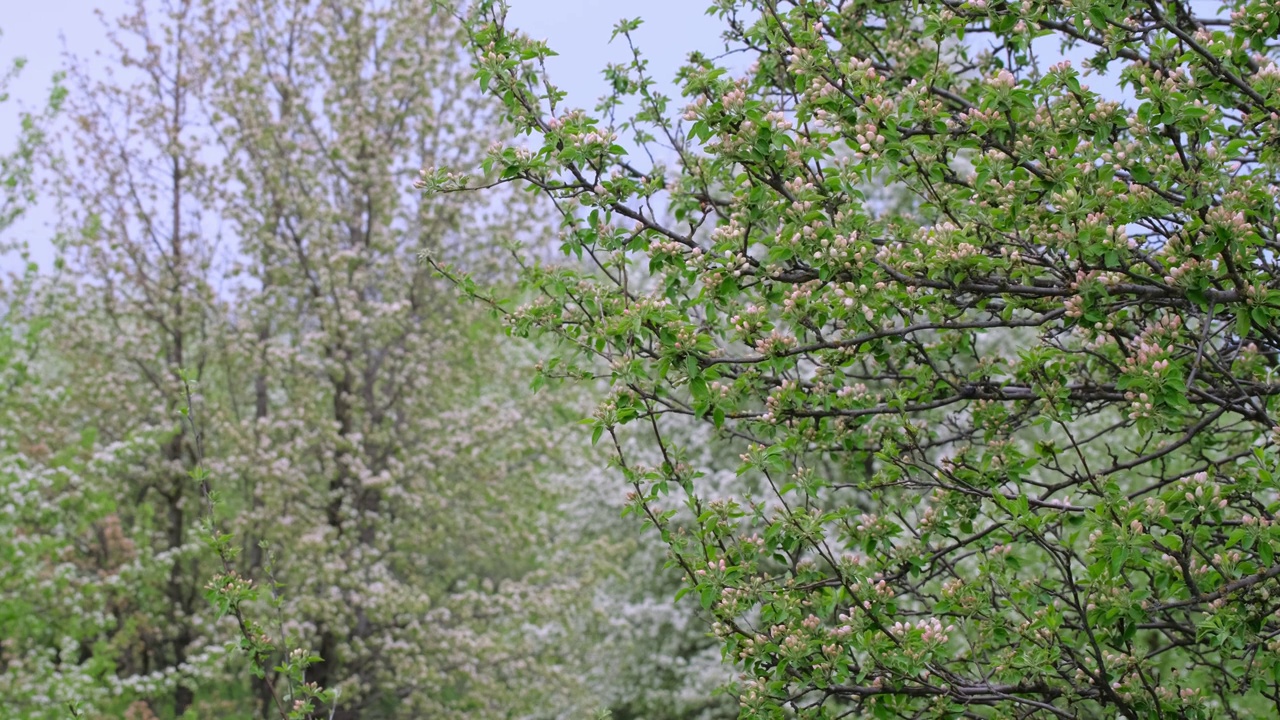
(983,295)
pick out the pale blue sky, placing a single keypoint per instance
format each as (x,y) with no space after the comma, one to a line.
(577,29)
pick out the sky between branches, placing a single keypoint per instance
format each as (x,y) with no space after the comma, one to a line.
(577,29)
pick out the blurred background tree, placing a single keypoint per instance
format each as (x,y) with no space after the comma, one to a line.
(234,185)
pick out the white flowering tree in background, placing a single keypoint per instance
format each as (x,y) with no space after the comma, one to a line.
(1008,448)
(378,439)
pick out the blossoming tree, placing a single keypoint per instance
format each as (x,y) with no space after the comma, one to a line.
(1007,446)
(256,460)
(387,451)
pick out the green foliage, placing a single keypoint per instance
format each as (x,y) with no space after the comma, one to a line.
(17,192)
(1007,444)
